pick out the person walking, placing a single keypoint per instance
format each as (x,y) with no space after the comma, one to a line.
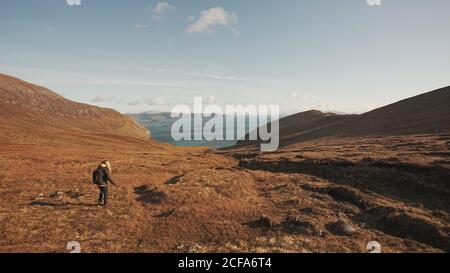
(102,176)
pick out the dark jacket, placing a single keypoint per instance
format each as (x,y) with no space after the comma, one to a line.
(106,177)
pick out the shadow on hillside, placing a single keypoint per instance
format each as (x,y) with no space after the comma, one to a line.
(415,184)
(174,180)
(61,205)
(150,195)
(166,214)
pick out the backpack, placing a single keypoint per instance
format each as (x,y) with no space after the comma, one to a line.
(97,176)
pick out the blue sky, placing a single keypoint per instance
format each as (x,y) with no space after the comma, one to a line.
(143,55)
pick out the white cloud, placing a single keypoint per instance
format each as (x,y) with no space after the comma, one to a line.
(212,18)
(111,82)
(157,101)
(297,96)
(212,100)
(48,28)
(190,18)
(102,99)
(196,75)
(162,8)
(134,103)
(140,26)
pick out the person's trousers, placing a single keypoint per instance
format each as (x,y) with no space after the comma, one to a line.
(103,196)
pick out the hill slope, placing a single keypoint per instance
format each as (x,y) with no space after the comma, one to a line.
(28,106)
(318,197)
(426,113)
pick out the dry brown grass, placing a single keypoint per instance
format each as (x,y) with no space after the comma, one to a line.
(328,195)
(194,200)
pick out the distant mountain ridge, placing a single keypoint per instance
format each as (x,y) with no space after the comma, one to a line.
(422,114)
(25,105)
(151,116)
